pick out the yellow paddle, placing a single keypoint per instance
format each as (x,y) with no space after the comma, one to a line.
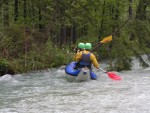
(103,41)
(106,39)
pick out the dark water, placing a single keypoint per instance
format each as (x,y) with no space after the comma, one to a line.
(50,92)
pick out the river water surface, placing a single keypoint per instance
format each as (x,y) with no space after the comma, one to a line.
(51,92)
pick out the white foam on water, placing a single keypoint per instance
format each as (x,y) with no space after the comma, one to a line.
(50,92)
(6,77)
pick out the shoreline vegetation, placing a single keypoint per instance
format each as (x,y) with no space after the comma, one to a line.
(43,34)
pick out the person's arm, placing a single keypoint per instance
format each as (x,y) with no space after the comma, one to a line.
(78,56)
(94,61)
(74,57)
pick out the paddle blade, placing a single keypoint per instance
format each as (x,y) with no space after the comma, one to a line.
(113,76)
(106,39)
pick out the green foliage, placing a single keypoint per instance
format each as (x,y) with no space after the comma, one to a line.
(46,58)
(86,39)
(40,33)
(5,67)
(3,63)
(123,64)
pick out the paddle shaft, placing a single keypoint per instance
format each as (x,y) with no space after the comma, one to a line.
(121,26)
(99,44)
(103,70)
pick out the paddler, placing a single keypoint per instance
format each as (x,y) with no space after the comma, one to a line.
(85,58)
(81,47)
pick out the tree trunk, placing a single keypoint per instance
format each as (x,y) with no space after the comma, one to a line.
(102,21)
(24,8)
(141,9)
(117,11)
(130,8)
(74,34)
(71,34)
(25,46)
(1,12)
(16,10)
(63,35)
(40,18)
(6,13)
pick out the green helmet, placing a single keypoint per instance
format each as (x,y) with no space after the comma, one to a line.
(88,46)
(81,45)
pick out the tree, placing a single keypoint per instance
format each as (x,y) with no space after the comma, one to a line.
(6,12)
(16,10)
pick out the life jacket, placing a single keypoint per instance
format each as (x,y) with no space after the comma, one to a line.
(85,60)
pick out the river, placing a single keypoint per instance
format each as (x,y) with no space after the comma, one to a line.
(50,91)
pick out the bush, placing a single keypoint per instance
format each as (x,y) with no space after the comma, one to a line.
(5,68)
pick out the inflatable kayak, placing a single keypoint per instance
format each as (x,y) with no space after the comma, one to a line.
(80,74)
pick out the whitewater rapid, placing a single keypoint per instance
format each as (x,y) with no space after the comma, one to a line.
(49,91)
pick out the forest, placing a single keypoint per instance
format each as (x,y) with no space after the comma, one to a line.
(41,34)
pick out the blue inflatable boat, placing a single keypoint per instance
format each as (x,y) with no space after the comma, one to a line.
(80,73)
